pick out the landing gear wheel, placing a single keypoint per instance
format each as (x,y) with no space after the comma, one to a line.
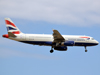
(51,51)
(85,50)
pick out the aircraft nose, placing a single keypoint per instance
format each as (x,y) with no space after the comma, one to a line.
(97,42)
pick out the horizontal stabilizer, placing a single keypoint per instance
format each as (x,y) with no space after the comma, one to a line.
(11,34)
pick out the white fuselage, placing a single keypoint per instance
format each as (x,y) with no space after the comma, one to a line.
(42,39)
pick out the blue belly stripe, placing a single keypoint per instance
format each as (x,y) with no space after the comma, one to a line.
(50,43)
(85,44)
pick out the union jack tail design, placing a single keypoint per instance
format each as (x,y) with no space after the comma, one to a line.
(11,26)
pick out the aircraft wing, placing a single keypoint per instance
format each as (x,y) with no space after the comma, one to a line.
(57,36)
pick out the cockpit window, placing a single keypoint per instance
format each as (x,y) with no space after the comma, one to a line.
(92,38)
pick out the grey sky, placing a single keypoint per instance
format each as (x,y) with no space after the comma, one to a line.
(67,12)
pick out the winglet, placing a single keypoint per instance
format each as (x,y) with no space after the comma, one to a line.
(52,29)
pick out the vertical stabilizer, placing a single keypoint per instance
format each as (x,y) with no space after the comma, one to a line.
(11,27)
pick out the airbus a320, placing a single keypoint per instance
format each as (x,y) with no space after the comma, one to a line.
(56,40)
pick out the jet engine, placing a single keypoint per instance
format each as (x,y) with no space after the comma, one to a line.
(60,48)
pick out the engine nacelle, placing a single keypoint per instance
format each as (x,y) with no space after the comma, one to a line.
(61,48)
(67,43)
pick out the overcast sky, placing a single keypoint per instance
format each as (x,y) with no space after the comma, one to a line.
(67,12)
(69,17)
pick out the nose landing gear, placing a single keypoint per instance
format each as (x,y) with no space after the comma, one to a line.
(85,49)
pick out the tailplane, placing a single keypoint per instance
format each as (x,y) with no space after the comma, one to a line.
(11,27)
(11,34)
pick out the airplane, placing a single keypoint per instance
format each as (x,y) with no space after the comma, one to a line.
(56,40)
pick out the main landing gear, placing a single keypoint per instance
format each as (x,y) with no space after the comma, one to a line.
(85,49)
(51,51)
